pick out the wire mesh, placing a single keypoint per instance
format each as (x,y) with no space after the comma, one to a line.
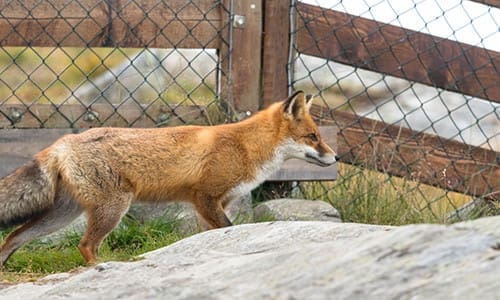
(375,197)
(151,63)
(83,86)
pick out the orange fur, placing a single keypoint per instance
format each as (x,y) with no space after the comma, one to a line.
(104,169)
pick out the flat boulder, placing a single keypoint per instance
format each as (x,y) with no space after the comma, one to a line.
(298,260)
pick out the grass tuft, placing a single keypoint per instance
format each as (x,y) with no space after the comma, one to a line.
(130,239)
(366,196)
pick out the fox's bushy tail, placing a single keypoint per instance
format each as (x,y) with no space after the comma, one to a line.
(25,193)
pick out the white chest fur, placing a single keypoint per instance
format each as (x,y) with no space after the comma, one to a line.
(284,151)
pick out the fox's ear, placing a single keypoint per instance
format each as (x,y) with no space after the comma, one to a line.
(309,101)
(295,105)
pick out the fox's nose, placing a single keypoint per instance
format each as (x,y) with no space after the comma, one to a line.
(337,158)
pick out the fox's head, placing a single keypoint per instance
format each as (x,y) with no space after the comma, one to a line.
(302,133)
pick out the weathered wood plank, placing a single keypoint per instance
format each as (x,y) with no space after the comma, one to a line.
(419,156)
(99,114)
(241,72)
(298,170)
(493,3)
(398,52)
(276,44)
(17,147)
(117,23)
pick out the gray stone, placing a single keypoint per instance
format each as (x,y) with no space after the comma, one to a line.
(185,217)
(182,213)
(296,210)
(299,260)
(145,211)
(240,210)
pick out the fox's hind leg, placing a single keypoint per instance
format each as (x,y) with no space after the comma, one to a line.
(64,211)
(102,218)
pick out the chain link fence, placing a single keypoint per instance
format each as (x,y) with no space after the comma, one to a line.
(82,64)
(388,32)
(72,81)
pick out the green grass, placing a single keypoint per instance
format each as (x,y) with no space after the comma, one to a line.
(365,196)
(370,197)
(126,242)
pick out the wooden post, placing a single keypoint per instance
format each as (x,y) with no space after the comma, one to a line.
(241,54)
(276,44)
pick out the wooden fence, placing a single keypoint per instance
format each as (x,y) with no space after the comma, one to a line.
(418,57)
(253,53)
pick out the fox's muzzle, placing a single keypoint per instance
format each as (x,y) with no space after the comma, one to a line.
(325,160)
(322,156)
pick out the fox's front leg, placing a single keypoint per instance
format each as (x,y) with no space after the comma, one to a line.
(212,212)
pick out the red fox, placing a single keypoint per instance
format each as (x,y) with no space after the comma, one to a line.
(102,170)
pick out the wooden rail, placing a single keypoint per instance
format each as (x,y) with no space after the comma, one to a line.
(419,156)
(493,3)
(117,23)
(78,116)
(398,52)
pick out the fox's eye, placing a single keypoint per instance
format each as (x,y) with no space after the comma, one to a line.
(313,137)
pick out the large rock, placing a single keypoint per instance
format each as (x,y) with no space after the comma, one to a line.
(296,210)
(299,260)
